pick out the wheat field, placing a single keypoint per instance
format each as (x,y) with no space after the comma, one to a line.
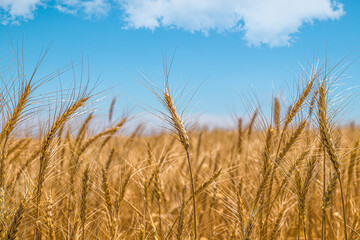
(292,175)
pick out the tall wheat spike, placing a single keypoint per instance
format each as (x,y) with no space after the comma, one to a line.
(107,196)
(329,145)
(45,152)
(184,139)
(9,126)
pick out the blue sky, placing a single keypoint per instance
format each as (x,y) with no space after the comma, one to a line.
(237,47)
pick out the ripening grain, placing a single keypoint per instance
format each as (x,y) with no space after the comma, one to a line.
(295,176)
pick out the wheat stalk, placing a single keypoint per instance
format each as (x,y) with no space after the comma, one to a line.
(184,140)
(84,198)
(329,145)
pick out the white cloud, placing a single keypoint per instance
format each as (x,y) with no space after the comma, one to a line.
(18,10)
(200,15)
(270,22)
(15,11)
(89,8)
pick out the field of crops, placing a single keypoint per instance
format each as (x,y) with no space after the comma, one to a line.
(292,175)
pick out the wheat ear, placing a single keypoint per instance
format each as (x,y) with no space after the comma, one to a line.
(9,126)
(50,219)
(277,114)
(45,152)
(329,145)
(107,196)
(184,139)
(240,137)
